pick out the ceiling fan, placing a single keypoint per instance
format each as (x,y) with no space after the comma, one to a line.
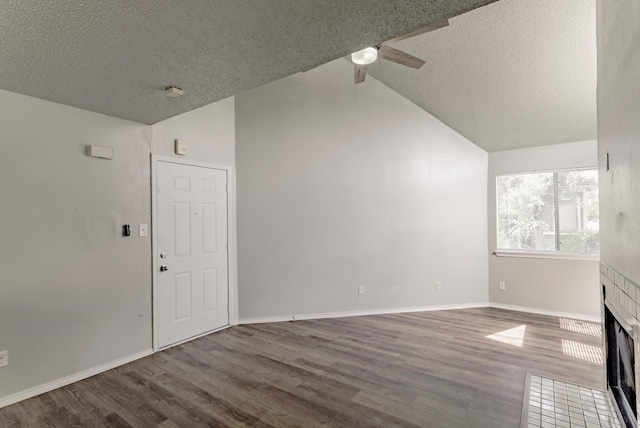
(366,56)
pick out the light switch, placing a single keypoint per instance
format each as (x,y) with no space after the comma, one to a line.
(144,230)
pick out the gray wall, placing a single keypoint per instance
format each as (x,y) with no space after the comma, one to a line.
(538,283)
(342,185)
(619,134)
(76,295)
(209,132)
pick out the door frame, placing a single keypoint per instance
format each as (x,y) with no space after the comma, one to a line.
(232,281)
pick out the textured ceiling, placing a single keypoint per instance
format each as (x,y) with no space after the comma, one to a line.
(516,73)
(115,57)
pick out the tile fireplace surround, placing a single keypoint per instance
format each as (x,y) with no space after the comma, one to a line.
(624,295)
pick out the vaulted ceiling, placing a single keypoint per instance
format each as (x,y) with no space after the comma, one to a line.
(514,73)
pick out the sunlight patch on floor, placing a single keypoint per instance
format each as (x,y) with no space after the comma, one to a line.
(582,351)
(513,336)
(582,327)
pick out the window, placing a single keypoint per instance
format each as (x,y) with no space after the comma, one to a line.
(553,211)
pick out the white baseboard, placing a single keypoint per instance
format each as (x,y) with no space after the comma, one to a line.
(59,383)
(558,314)
(299,317)
(360,313)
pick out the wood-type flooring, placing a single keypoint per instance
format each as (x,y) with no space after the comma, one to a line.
(428,369)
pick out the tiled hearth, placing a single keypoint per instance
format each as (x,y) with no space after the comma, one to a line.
(554,403)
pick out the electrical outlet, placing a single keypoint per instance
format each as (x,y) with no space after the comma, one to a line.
(361,289)
(502,286)
(4,358)
(438,285)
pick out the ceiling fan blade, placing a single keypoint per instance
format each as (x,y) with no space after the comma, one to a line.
(360,72)
(419,31)
(399,57)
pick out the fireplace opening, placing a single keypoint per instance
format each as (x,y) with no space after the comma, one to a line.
(620,368)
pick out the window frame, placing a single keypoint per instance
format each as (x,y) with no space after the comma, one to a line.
(538,254)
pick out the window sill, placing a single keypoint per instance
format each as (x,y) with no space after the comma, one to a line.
(546,255)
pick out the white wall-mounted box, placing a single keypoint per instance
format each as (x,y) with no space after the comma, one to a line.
(181,147)
(99,152)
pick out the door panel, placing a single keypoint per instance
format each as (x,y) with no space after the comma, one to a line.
(182,294)
(182,229)
(209,290)
(209,232)
(192,293)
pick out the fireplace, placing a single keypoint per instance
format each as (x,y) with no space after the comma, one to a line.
(620,366)
(621,316)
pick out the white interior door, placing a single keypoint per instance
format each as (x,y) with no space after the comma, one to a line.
(191,251)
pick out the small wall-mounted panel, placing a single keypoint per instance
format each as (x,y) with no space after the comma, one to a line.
(181,147)
(99,152)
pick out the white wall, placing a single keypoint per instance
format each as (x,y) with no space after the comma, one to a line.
(342,185)
(569,286)
(619,134)
(209,132)
(75,295)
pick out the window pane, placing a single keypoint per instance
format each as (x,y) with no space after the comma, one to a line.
(525,212)
(549,211)
(578,207)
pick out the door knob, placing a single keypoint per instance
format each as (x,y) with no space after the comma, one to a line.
(163,268)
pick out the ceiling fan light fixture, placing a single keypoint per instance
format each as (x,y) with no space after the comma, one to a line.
(365,56)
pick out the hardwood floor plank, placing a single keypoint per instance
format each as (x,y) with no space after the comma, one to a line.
(115,397)
(437,369)
(115,421)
